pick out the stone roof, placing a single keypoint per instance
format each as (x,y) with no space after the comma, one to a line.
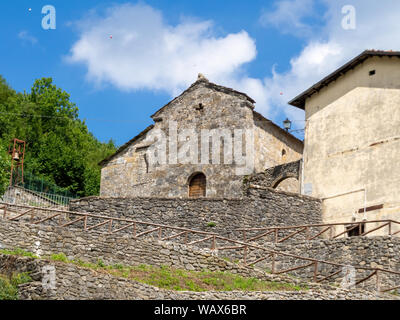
(126,145)
(203,81)
(260,117)
(300,100)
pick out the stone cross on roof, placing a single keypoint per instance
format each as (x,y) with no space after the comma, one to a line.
(201,77)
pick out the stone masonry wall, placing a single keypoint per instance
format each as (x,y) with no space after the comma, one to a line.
(75,244)
(204,106)
(130,174)
(58,281)
(271,177)
(111,249)
(369,252)
(263,208)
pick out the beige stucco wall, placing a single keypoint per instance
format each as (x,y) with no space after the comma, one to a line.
(352,142)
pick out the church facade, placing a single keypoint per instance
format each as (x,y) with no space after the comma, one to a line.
(201,144)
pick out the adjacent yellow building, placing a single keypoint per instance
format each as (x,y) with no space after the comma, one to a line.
(351,153)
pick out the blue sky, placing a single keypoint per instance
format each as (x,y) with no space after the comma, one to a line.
(123,60)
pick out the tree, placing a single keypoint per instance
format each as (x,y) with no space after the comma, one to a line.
(5,166)
(59,147)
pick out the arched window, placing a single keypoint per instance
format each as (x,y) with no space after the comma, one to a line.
(197,186)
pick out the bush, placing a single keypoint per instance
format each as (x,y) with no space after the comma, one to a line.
(5,167)
(9,287)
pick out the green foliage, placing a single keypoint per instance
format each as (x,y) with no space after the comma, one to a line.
(7,290)
(59,147)
(59,257)
(18,252)
(211,225)
(9,286)
(100,263)
(169,278)
(20,278)
(4,171)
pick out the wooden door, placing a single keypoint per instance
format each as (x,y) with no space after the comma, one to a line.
(197,186)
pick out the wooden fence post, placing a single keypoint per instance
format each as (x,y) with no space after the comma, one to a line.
(378,285)
(273,264)
(245,255)
(315,270)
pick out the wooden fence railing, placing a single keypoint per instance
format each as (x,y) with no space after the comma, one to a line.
(138,229)
(314,231)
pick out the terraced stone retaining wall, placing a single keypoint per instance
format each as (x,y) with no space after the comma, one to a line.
(59,281)
(262,208)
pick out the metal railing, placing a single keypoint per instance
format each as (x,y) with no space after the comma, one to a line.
(314,231)
(137,229)
(19,195)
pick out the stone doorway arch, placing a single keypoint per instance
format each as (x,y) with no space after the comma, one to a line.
(197,185)
(288,183)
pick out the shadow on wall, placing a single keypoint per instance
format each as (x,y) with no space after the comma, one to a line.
(285,177)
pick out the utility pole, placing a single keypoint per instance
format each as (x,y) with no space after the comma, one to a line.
(17,152)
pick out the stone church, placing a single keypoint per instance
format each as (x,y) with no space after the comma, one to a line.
(202,144)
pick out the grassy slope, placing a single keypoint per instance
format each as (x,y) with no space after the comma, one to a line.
(174,279)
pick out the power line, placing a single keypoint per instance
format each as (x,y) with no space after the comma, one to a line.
(86,119)
(296,130)
(59,117)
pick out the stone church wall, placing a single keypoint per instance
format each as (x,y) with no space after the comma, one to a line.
(204,106)
(285,177)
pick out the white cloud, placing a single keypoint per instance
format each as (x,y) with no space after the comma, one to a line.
(147,53)
(289,16)
(330,47)
(26,37)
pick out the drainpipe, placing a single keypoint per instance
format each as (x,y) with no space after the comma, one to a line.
(302,176)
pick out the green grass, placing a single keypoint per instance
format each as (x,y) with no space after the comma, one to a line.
(176,279)
(394,293)
(9,285)
(211,224)
(59,257)
(182,280)
(18,252)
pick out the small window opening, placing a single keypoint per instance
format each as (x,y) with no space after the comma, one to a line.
(283,152)
(355,230)
(146,163)
(372,72)
(199,107)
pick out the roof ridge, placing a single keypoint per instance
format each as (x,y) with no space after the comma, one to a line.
(202,80)
(299,100)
